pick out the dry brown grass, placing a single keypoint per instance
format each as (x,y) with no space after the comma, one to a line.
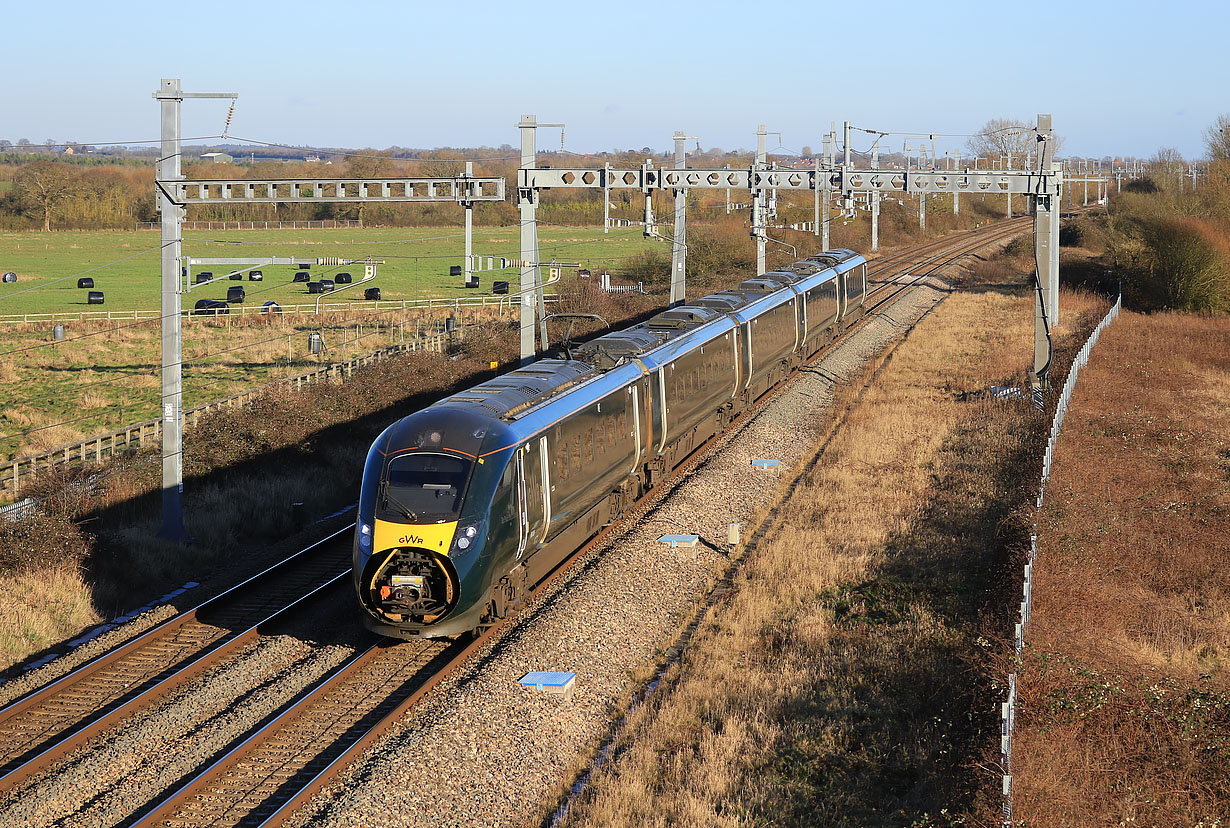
(40,608)
(1126,691)
(106,375)
(852,677)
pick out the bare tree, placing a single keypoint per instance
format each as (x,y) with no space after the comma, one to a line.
(1000,136)
(1217,138)
(44,185)
(1166,169)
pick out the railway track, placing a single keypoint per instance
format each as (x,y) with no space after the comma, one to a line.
(272,774)
(45,725)
(269,774)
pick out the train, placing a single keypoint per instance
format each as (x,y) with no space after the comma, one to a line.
(466,505)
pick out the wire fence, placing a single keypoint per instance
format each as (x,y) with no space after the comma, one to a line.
(321,224)
(501,301)
(149,432)
(1008,707)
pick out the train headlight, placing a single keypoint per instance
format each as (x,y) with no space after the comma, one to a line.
(365,536)
(466,536)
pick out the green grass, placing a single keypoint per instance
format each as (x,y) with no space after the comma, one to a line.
(105,375)
(417,262)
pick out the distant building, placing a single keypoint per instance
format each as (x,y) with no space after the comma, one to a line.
(217,157)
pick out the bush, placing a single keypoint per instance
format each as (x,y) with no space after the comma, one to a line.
(719,248)
(652,268)
(1167,257)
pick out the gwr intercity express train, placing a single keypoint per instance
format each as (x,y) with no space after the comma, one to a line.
(469,503)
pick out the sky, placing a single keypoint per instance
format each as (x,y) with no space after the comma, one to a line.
(1119,78)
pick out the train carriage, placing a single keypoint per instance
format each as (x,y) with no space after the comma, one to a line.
(467,504)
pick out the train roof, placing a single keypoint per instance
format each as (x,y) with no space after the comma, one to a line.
(609,350)
(509,394)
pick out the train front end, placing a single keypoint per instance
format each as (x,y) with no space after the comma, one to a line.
(421,562)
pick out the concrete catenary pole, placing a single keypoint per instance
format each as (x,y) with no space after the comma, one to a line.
(1046,254)
(956,194)
(816,191)
(170,97)
(829,162)
(606,197)
(758,200)
(1009,194)
(875,199)
(468,204)
(679,245)
(527,203)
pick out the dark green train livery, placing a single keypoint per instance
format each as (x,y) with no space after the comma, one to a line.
(469,503)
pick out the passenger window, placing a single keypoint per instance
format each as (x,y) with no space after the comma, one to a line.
(576,454)
(563,463)
(600,448)
(589,445)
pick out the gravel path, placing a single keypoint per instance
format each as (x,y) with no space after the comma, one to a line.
(484,751)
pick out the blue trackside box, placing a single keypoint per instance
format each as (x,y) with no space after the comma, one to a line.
(550,682)
(686,541)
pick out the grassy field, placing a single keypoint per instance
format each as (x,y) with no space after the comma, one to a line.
(417,262)
(106,377)
(106,374)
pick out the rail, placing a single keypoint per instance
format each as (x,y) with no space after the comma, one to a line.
(1008,707)
(149,432)
(377,305)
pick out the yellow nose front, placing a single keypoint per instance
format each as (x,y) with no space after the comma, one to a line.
(435,537)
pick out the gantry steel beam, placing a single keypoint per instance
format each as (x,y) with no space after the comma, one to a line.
(848,181)
(458,189)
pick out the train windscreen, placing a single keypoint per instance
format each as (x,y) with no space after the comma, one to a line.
(425,487)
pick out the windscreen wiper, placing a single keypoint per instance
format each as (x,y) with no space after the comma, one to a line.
(401,507)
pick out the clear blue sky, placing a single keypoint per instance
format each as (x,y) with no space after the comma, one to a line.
(1119,77)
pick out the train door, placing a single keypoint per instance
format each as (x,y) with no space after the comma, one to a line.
(656,399)
(532,490)
(636,428)
(537,490)
(523,523)
(842,297)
